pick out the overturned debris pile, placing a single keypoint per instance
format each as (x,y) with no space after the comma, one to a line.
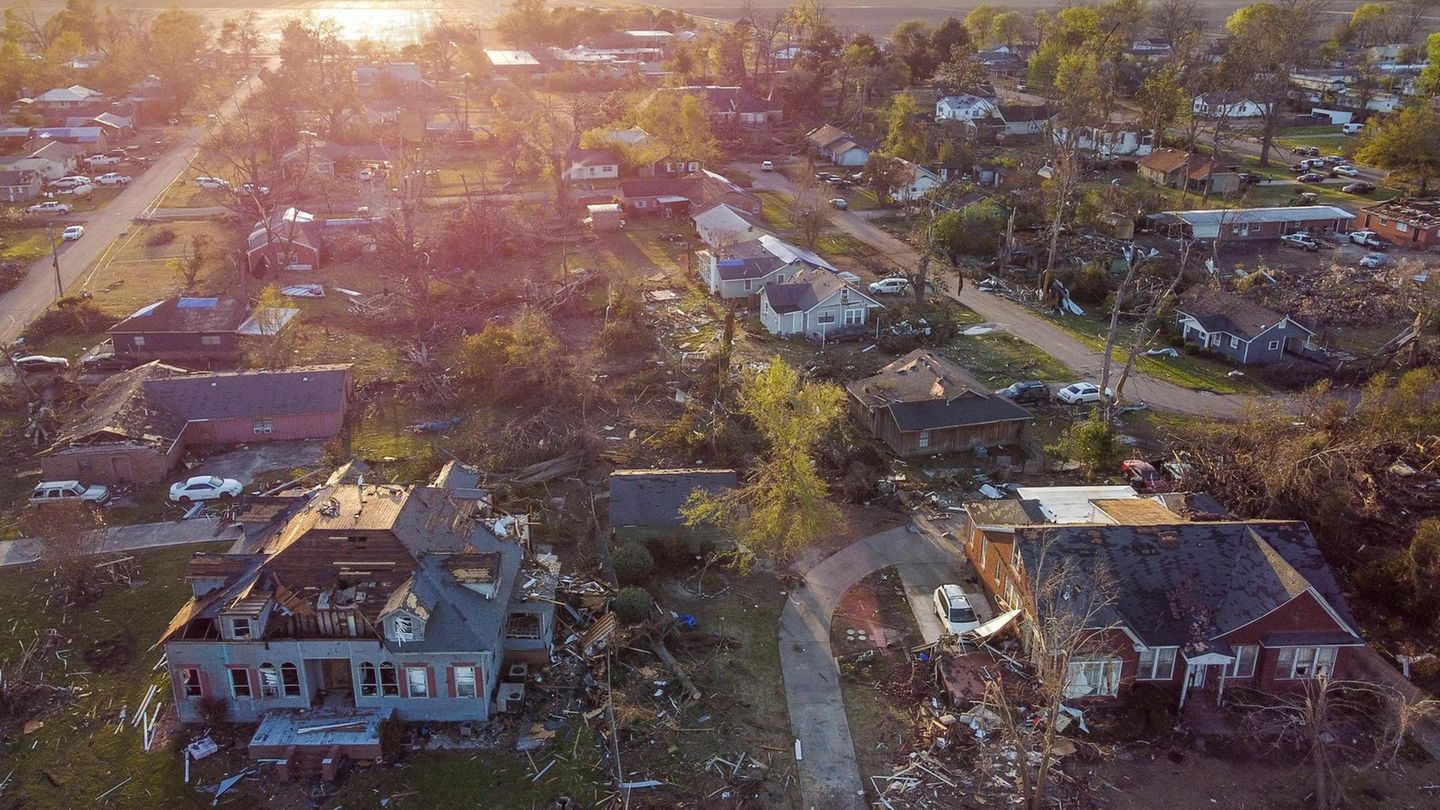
(1330,295)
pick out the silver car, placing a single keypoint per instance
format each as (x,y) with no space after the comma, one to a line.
(65,491)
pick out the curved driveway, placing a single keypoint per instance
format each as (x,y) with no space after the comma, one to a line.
(828,775)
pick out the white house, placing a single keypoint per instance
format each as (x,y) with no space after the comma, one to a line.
(591,165)
(1229,105)
(838,146)
(815,303)
(723,225)
(964,107)
(916,181)
(1023,119)
(1110,142)
(73,96)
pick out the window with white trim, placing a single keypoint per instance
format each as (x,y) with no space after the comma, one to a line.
(854,317)
(139,340)
(369,684)
(924,440)
(418,681)
(404,628)
(190,682)
(269,680)
(465,682)
(1234,342)
(1098,677)
(389,680)
(1304,662)
(1157,664)
(825,317)
(1274,344)
(241,628)
(1244,664)
(262,426)
(240,684)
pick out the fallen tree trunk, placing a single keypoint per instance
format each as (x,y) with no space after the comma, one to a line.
(663,653)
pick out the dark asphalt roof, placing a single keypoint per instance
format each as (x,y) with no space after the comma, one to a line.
(752,267)
(309,389)
(937,413)
(1186,583)
(1005,513)
(1220,311)
(183,314)
(654,497)
(926,390)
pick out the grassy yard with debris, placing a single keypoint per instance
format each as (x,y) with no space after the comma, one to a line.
(102,654)
(23,244)
(1186,370)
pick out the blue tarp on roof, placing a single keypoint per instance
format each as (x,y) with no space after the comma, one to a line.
(197,303)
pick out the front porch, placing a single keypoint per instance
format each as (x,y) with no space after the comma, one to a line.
(291,745)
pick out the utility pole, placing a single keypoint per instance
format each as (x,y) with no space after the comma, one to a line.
(55,260)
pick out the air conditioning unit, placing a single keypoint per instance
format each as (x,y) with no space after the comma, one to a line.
(510,697)
(518,673)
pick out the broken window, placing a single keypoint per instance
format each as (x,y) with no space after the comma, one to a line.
(262,426)
(389,680)
(522,625)
(1157,664)
(240,628)
(416,678)
(240,684)
(290,679)
(1085,678)
(369,685)
(404,628)
(269,681)
(1304,662)
(190,682)
(1244,664)
(465,682)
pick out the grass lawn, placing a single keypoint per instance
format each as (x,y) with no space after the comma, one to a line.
(24,245)
(1185,370)
(778,210)
(133,272)
(77,745)
(999,358)
(1326,137)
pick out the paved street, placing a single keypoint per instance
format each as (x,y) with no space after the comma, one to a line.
(1026,324)
(105,227)
(134,538)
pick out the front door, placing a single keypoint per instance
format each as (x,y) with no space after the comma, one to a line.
(335,674)
(1197,676)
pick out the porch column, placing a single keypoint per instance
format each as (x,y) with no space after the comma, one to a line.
(1185,686)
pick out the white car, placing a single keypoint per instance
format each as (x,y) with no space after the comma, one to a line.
(102,160)
(953,608)
(1346,170)
(72,233)
(211,182)
(205,488)
(840,204)
(71,182)
(890,286)
(1366,238)
(61,491)
(49,207)
(1082,392)
(39,362)
(767,166)
(113,179)
(366,175)
(1373,260)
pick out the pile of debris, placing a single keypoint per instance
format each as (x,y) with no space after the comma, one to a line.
(1331,295)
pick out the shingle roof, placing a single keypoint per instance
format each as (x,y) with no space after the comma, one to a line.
(823,136)
(1219,311)
(20,177)
(592,157)
(750,267)
(182,314)
(654,497)
(309,389)
(1165,160)
(1185,583)
(925,390)
(807,288)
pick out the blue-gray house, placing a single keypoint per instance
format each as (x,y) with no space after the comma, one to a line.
(1239,329)
(366,598)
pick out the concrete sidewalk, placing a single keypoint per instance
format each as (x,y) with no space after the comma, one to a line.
(828,775)
(138,537)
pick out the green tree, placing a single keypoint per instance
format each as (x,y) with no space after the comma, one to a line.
(974,230)
(1008,29)
(904,138)
(979,20)
(950,39)
(784,506)
(883,174)
(1406,144)
(1162,99)
(960,72)
(1430,76)
(910,40)
(1268,42)
(1091,443)
(178,43)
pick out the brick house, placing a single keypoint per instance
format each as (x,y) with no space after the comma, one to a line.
(924,403)
(292,240)
(1404,223)
(364,598)
(1233,224)
(191,330)
(137,425)
(1238,328)
(671,197)
(1202,601)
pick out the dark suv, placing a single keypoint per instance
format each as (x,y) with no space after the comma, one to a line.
(1026,391)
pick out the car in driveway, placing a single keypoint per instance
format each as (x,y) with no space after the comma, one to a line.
(113,179)
(47,492)
(102,160)
(953,608)
(1081,393)
(1346,170)
(39,362)
(890,286)
(1311,177)
(49,207)
(1300,241)
(1369,239)
(1305,150)
(1143,476)
(1026,391)
(71,183)
(767,165)
(72,233)
(1358,188)
(211,182)
(205,488)
(1373,260)
(108,361)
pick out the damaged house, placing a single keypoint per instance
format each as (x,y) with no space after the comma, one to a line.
(1189,599)
(925,403)
(136,426)
(368,600)
(1238,328)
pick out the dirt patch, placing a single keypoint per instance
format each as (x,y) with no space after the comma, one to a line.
(110,653)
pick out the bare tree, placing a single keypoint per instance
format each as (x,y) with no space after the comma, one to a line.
(1069,642)
(69,533)
(810,209)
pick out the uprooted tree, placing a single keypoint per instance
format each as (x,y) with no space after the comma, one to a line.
(783,506)
(69,533)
